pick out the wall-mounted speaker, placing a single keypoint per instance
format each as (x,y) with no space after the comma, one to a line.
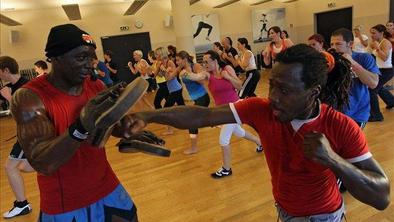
(14,36)
(167,21)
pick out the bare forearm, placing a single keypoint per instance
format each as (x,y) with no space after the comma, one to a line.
(365,76)
(47,156)
(368,187)
(186,117)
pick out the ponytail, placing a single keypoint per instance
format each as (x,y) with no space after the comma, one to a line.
(244,42)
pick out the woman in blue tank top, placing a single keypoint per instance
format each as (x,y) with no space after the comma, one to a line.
(196,90)
(168,69)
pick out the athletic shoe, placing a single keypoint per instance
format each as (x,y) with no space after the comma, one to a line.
(390,107)
(19,209)
(259,149)
(341,187)
(222,172)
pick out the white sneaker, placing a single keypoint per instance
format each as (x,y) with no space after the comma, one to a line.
(17,211)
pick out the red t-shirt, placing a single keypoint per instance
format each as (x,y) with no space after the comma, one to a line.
(85,178)
(301,186)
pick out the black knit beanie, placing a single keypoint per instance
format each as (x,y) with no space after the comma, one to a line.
(63,38)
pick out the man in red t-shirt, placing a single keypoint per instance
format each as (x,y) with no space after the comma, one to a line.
(307,144)
(55,115)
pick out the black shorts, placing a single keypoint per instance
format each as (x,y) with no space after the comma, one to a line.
(17,152)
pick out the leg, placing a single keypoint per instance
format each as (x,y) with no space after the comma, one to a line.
(383,93)
(202,101)
(240,132)
(15,178)
(375,114)
(162,93)
(12,167)
(200,25)
(250,84)
(170,101)
(225,136)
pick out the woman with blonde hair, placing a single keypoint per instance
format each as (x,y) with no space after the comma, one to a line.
(168,69)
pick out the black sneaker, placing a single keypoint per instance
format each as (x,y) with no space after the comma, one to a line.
(222,172)
(375,119)
(20,208)
(341,187)
(390,107)
(259,149)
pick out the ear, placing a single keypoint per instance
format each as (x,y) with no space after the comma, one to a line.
(315,92)
(351,44)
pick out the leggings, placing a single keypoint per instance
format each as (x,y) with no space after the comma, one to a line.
(226,132)
(202,25)
(383,93)
(250,84)
(162,93)
(175,97)
(201,101)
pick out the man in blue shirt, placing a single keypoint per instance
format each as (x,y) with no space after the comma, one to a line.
(102,72)
(365,76)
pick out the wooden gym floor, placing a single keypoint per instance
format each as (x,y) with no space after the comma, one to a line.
(180,189)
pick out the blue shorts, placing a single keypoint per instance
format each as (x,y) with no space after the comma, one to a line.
(117,206)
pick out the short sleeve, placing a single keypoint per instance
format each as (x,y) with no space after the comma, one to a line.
(368,62)
(354,146)
(251,111)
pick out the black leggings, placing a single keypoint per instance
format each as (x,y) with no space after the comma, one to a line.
(383,93)
(202,25)
(202,101)
(162,93)
(250,84)
(175,97)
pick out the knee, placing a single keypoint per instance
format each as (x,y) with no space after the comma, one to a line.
(9,167)
(224,141)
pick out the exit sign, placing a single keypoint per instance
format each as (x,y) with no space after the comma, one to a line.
(124,28)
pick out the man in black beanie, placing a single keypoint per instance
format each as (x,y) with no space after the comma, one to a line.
(55,114)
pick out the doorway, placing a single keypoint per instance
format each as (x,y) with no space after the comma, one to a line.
(327,22)
(123,46)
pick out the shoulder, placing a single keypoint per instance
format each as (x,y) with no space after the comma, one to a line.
(288,42)
(25,103)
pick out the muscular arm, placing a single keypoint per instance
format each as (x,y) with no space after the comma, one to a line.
(368,78)
(45,151)
(365,180)
(196,117)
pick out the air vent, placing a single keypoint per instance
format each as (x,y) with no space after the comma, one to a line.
(260,2)
(7,21)
(72,11)
(193,1)
(135,6)
(226,3)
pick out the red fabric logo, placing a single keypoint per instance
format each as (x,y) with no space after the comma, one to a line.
(87,39)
